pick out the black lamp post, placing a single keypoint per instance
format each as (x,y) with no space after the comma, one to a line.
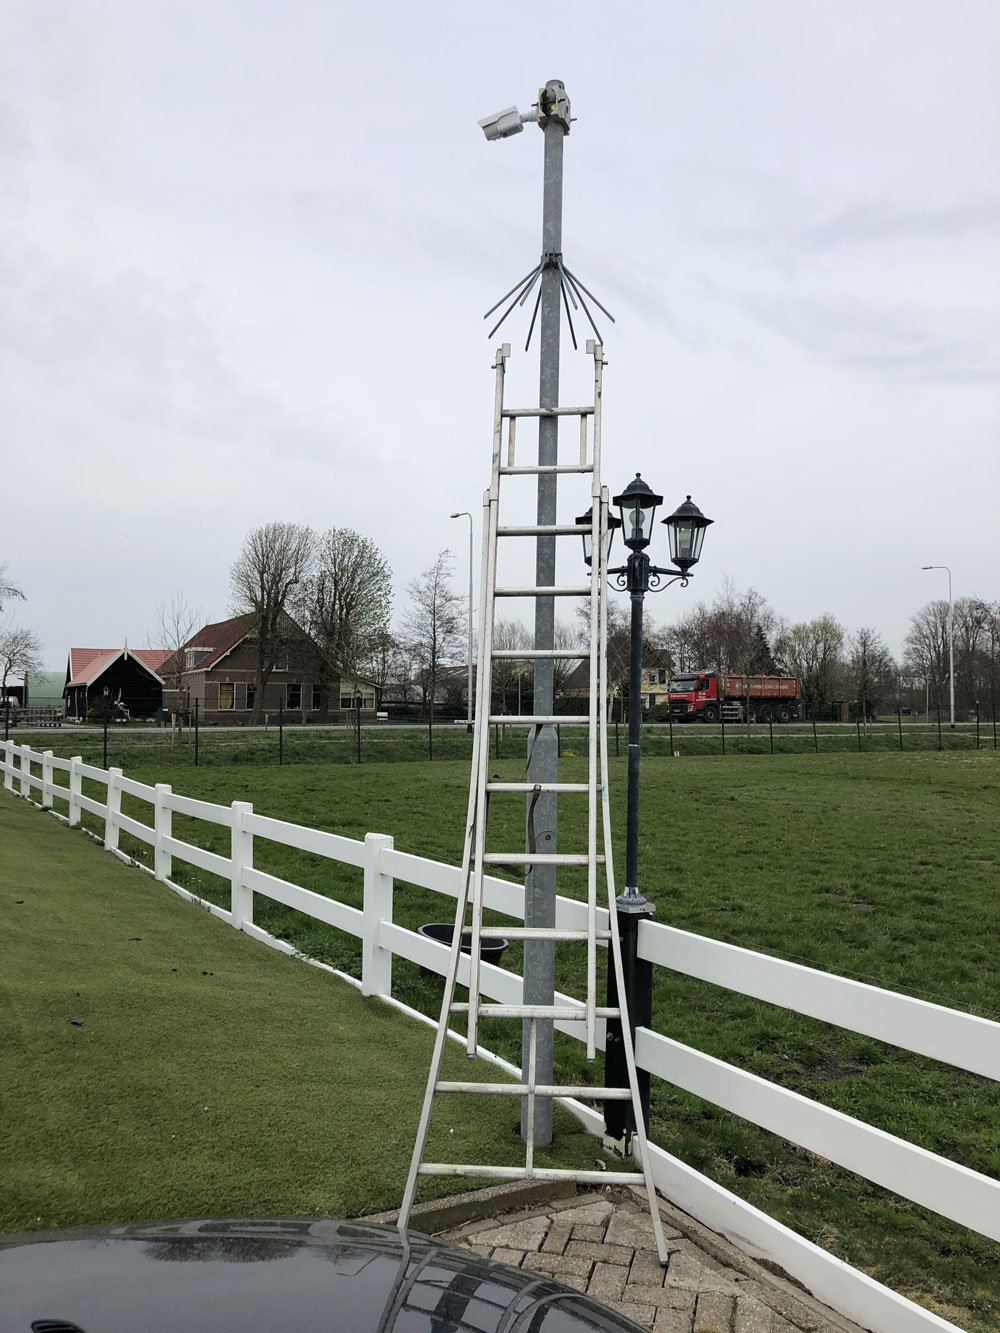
(686,526)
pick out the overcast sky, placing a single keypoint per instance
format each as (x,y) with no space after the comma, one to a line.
(246,249)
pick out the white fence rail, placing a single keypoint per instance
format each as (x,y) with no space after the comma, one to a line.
(959,1039)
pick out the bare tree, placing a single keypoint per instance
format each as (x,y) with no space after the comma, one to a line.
(566,635)
(432,626)
(926,646)
(871,670)
(273,564)
(9,591)
(20,652)
(813,651)
(176,621)
(508,673)
(345,604)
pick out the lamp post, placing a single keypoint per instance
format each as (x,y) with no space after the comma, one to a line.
(464,513)
(686,526)
(951,644)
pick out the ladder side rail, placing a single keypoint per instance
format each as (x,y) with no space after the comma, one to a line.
(615,960)
(487,602)
(480,740)
(598,640)
(593,719)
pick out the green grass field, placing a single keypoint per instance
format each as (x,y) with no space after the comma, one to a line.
(209,1075)
(879,866)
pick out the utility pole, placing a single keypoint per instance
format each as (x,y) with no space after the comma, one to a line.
(556,284)
(543,763)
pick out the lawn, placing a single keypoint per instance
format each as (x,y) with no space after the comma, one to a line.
(156,1063)
(881,866)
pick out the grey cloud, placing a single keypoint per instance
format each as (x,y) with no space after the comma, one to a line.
(153,354)
(892,342)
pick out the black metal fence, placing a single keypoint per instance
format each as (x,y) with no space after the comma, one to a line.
(145,745)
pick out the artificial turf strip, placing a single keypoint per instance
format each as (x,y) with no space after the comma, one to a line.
(204,1074)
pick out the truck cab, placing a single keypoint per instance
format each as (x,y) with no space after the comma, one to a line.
(688,696)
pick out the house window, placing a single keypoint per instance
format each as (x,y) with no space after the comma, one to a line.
(294,696)
(316,697)
(251,696)
(227,695)
(357,696)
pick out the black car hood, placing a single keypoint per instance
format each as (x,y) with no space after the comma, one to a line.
(275,1275)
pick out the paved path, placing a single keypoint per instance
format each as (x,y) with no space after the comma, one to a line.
(602,1243)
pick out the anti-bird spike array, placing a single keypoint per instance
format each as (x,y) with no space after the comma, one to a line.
(573,293)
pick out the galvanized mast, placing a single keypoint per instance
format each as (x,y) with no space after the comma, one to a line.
(540,881)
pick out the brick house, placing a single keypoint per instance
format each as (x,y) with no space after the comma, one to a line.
(219,675)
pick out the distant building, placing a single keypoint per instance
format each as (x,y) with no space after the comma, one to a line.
(128,676)
(218,672)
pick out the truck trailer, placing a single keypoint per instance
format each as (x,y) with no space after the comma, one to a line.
(709,696)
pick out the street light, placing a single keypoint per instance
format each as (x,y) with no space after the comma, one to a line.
(951,642)
(463,513)
(637,505)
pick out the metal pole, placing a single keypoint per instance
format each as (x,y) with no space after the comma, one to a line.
(670,724)
(196,733)
(464,513)
(940,744)
(899,720)
(858,723)
(281,731)
(951,652)
(977,724)
(815,737)
(107,710)
(631,906)
(543,761)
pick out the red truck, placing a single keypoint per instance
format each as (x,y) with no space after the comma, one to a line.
(711,695)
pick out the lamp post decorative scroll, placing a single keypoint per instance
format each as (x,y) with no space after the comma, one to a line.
(637,506)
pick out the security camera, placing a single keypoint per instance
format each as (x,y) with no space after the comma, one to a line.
(503,124)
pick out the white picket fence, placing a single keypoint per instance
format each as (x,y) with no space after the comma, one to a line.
(958,1039)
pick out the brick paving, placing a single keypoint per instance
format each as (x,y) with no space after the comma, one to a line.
(602,1243)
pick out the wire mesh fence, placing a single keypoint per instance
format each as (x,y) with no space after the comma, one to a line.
(145,745)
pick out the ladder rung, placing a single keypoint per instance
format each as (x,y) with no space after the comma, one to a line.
(535,1173)
(543,530)
(540,786)
(539,859)
(539,1090)
(527,654)
(544,469)
(539,933)
(539,719)
(564,1013)
(542,592)
(547,411)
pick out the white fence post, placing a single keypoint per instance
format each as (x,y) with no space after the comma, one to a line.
(162,828)
(8,765)
(376,962)
(47,780)
(75,787)
(114,810)
(241,898)
(25,770)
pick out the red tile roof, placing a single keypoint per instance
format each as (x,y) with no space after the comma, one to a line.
(87,664)
(217,640)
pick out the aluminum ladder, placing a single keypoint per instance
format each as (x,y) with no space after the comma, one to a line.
(476,859)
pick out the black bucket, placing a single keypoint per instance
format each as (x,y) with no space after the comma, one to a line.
(443,932)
